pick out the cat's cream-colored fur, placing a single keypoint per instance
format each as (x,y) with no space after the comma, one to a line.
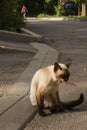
(44,89)
(45,81)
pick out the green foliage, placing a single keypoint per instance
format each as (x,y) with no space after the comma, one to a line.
(10,15)
(34,6)
(50,7)
(59,9)
(41,15)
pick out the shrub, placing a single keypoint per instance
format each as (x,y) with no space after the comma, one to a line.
(10,15)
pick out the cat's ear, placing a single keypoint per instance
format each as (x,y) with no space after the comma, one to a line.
(56,67)
(68,62)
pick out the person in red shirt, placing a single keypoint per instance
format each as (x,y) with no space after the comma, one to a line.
(24,11)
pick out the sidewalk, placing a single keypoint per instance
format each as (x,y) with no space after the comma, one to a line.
(16,109)
(34,19)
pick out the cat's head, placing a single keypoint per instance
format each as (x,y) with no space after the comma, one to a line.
(62,70)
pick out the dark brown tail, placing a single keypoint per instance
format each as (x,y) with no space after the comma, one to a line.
(74,103)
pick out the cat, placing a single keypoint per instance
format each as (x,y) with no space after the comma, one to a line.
(44,90)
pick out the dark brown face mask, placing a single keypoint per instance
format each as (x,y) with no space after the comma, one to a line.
(65,76)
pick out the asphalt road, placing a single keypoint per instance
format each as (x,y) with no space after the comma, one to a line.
(12,64)
(70,39)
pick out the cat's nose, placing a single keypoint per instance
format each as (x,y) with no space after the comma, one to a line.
(66,79)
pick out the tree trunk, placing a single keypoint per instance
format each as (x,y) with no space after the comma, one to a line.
(79,10)
(83,8)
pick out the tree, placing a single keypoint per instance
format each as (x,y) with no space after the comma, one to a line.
(50,6)
(84,8)
(36,7)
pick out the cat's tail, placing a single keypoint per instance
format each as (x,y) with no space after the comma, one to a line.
(74,103)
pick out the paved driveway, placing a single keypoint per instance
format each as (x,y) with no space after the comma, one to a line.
(12,64)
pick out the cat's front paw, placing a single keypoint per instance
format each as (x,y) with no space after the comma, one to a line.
(61,109)
(42,113)
(53,110)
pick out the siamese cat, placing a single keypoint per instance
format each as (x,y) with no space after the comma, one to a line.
(44,90)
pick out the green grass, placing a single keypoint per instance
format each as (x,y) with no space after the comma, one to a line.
(55,16)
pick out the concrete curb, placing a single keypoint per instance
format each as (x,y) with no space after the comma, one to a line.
(16,109)
(17,46)
(34,19)
(23,37)
(37,37)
